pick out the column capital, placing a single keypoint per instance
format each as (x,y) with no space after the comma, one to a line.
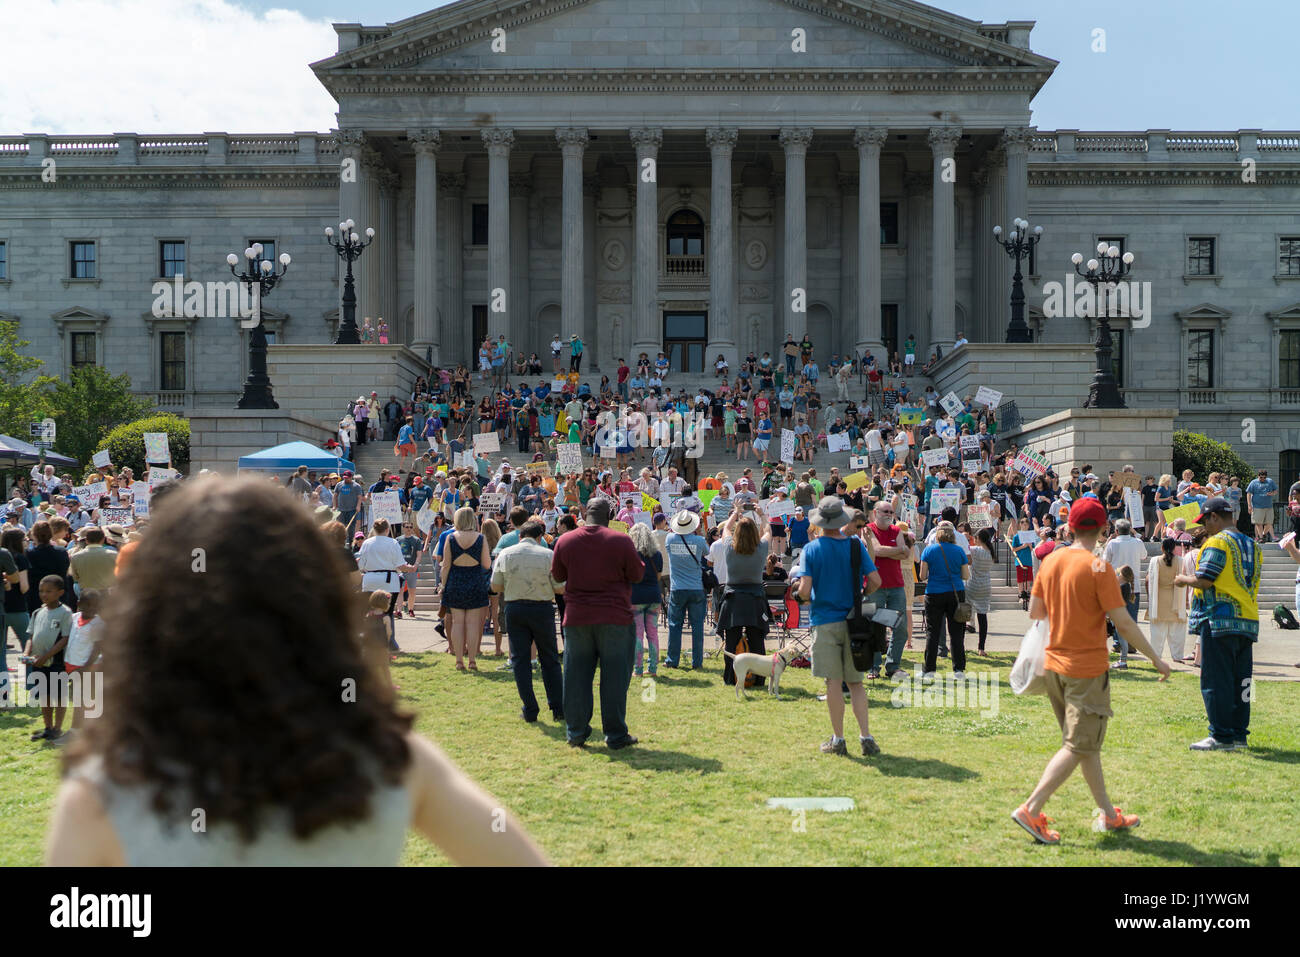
(647,140)
(498,140)
(848,183)
(572,139)
(424,141)
(1016,139)
(351,138)
(721,138)
(372,160)
(451,184)
(796,138)
(980,177)
(995,159)
(389,182)
(866,137)
(944,139)
(918,182)
(521,184)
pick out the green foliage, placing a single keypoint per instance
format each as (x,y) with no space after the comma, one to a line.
(89,405)
(24,397)
(125,443)
(1203,456)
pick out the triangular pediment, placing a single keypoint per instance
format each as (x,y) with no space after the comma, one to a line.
(1290,313)
(849,35)
(1205,310)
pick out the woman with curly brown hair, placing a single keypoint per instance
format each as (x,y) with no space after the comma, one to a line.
(292,750)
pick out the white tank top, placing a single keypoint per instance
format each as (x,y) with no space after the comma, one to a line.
(149,840)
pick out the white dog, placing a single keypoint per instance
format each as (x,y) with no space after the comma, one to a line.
(770,666)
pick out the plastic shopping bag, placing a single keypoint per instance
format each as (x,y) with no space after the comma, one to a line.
(1027,672)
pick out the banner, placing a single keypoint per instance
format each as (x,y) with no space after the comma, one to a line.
(116,516)
(486,442)
(787,446)
(941,498)
(155,448)
(858,462)
(387,505)
(568,458)
(424,518)
(1030,463)
(837,442)
(951,404)
(979,517)
(100,459)
(933,457)
(989,398)
(911,414)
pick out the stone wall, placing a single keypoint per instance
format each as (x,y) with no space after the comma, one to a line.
(218,437)
(1106,439)
(1041,378)
(317,382)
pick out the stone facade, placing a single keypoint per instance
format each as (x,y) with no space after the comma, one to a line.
(1103,438)
(507,149)
(218,437)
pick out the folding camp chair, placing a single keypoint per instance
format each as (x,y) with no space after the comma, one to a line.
(790,618)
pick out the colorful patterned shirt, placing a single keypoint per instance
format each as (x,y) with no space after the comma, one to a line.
(1235,564)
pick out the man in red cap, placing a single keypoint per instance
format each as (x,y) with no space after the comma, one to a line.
(1075,591)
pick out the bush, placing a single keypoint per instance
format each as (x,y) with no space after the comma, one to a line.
(125,443)
(1203,456)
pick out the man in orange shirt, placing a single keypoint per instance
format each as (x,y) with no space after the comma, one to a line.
(1076,591)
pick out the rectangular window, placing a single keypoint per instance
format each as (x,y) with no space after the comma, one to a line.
(1200,359)
(1289,359)
(1117,357)
(479,320)
(268,248)
(4,260)
(889,224)
(1200,256)
(1288,256)
(83,261)
(1117,241)
(1033,260)
(171,259)
(889,328)
(173,362)
(478,224)
(83,349)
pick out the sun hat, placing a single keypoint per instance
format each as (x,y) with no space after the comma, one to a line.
(830,514)
(684,523)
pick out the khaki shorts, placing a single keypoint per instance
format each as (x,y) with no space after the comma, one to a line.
(1261,516)
(832,658)
(1082,707)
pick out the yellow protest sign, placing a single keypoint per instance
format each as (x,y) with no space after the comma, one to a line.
(618,526)
(855,480)
(648,504)
(1190,512)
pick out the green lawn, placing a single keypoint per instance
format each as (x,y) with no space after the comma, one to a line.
(694,790)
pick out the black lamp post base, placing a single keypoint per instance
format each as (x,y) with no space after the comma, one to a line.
(348,337)
(257,395)
(1104,395)
(1019,333)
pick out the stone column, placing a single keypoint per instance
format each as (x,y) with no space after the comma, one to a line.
(591,327)
(521,334)
(457,328)
(722,263)
(351,177)
(943,285)
(997,265)
(498,142)
(869,141)
(795,140)
(850,264)
(982,237)
(775,338)
(426,335)
(918,244)
(573,142)
(370,283)
(388,183)
(649,332)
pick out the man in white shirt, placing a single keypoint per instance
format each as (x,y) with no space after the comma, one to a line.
(671,486)
(1126,549)
(948,515)
(901,448)
(875,447)
(556,349)
(961,340)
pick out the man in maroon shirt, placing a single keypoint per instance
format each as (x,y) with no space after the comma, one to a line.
(893,546)
(623,373)
(598,567)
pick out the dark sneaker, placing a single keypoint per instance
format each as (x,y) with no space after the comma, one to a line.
(869,746)
(622,743)
(577,742)
(530,718)
(1212,744)
(41,735)
(831,746)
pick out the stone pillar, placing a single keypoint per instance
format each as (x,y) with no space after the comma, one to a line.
(520,333)
(457,329)
(591,327)
(982,236)
(370,283)
(388,183)
(649,332)
(351,176)
(997,266)
(846,334)
(498,142)
(722,263)
(426,334)
(918,244)
(943,284)
(869,141)
(573,142)
(775,338)
(795,141)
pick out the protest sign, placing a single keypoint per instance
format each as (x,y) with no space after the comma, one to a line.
(908,505)
(618,526)
(116,516)
(100,459)
(89,494)
(911,414)
(941,498)
(568,458)
(858,462)
(1030,463)
(989,398)
(774,507)
(155,448)
(557,385)
(979,517)
(890,398)
(1190,512)
(933,457)
(491,501)
(538,468)
(855,480)
(649,503)
(545,425)
(386,505)
(158,476)
(608,452)
(837,442)
(140,507)
(971,466)
(643,518)
(463,460)
(486,442)
(1127,480)
(951,404)
(1133,503)
(969,443)
(706,496)
(424,518)
(787,446)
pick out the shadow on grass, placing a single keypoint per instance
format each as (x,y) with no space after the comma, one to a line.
(901,766)
(1181,853)
(676,681)
(1273,754)
(639,756)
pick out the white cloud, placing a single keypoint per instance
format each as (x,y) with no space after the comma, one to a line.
(161,66)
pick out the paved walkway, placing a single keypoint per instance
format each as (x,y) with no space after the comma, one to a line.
(1276,653)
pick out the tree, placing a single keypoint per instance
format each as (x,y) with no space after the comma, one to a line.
(1203,456)
(91,404)
(125,443)
(24,398)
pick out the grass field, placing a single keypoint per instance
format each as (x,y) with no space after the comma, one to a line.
(694,790)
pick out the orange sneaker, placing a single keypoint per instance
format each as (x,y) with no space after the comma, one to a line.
(1037,827)
(1119,822)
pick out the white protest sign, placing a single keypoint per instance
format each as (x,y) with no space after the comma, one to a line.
(932,457)
(158,476)
(990,398)
(951,404)
(1133,503)
(837,442)
(89,494)
(941,498)
(787,446)
(979,517)
(557,385)
(1030,463)
(386,505)
(100,459)
(969,443)
(774,507)
(486,442)
(116,516)
(568,458)
(971,466)
(642,518)
(155,448)
(140,507)
(463,460)
(608,452)
(491,501)
(424,518)
(857,462)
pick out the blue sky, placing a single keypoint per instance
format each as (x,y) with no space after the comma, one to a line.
(91,66)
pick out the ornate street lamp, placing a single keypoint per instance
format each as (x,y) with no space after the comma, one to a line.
(349,246)
(1018,246)
(1106,271)
(261,279)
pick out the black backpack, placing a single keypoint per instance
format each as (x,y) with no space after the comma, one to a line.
(1283,618)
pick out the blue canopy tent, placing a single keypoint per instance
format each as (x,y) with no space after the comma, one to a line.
(290,455)
(16,452)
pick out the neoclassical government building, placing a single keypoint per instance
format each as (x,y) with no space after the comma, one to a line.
(677,175)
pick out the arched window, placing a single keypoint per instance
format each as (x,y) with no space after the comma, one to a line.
(685,234)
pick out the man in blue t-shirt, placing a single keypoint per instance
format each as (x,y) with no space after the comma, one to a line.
(1259,494)
(824,575)
(347,499)
(688,555)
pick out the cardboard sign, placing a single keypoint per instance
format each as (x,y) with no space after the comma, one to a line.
(989,398)
(568,458)
(386,505)
(911,414)
(933,457)
(155,448)
(855,480)
(787,446)
(116,516)
(618,526)
(486,442)
(941,498)
(837,442)
(858,462)
(1127,480)
(952,404)
(491,501)
(1030,463)
(100,459)
(538,468)
(979,517)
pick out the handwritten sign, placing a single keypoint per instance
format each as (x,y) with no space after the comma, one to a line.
(158,476)
(951,404)
(941,498)
(648,502)
(618,526)
(140,507)
(979,517)
(486,442)
(855,480)
(1030,463)
(837,442)
(424,518)
(89,494)
(776,507)
(568,458)
(538,468)
(911,415)
(155,448)
(100,459)
(557,385)
(491,501)
(386,505)
(787,446)
(989,398)
(116,516)
(933,457)
(1127,480)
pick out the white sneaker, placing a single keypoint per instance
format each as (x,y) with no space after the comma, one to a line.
(959,676)
(928,677)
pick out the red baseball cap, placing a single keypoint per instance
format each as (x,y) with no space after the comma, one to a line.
(347,473)
(1087,514)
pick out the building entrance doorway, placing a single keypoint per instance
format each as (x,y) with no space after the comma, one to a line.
(686,336)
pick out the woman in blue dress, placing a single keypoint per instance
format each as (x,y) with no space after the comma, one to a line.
(465,558)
